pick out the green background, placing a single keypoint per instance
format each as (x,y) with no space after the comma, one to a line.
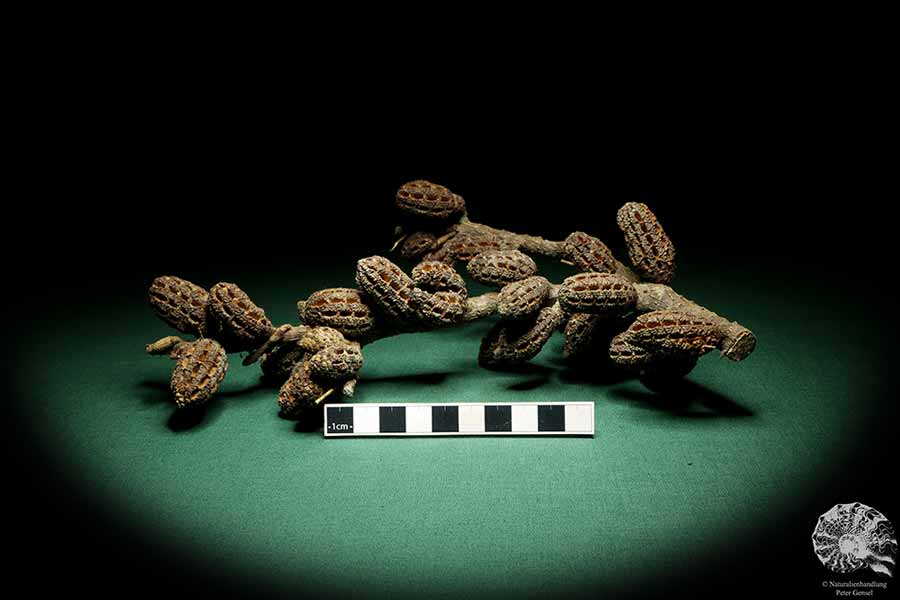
(665,486)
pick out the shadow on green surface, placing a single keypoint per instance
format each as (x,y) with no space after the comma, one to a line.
(529,384)
(539,375)
(417,379)
(526,368)
(685,399)
(680,399)
(154,393)
(586,373)
(309,421)
(185,419)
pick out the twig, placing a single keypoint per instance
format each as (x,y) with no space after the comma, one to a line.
(323,396)
(737,341)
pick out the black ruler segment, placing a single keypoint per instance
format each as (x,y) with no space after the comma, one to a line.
(551,417)
(392,419)
(445,419)
(467,418)
(339,419)
(498,418)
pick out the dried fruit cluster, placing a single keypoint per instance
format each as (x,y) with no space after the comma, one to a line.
(628,316)
(224,320)
(623,316)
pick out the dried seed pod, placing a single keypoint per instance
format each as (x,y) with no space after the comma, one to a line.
(588,253)
(433,276)
(199,371)
(318,338)
(591,335)
(242,325)
(465,247)
(440,254)
(171,345)
(180,303)
(282,335)
(278,364)
(301,390)
(388,287)
(438,309)
(416,244)
(672,332)
(737,341)
(440,251)
(344,309)
(425,200)
(597,293)
(513,342)
(579,334)
(521,299)
(337,363)
(499,267)
(658,371)
(649,248)
(627,354)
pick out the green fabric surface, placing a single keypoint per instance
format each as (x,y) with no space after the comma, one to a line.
(661,484)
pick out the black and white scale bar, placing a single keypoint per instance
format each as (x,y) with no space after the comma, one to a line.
(469,418)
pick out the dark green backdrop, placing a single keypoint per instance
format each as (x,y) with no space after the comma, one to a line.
(774,194)
(671,488)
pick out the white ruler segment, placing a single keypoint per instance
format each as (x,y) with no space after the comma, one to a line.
(465,418)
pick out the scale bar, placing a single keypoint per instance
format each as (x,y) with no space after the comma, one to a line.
(468,418)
